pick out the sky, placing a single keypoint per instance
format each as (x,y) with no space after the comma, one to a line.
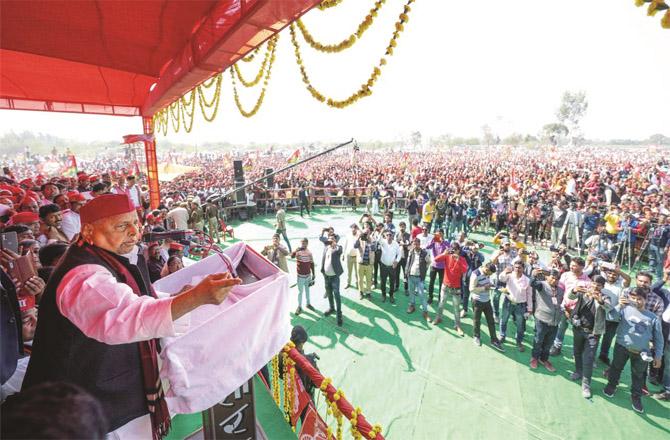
(458,65)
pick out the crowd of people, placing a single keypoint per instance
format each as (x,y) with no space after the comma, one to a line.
(596,212)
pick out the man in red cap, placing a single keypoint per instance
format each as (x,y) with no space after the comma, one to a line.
(29,219)
(100,317)
(71,220)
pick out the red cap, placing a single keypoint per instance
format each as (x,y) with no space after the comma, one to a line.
(27,182)
(106,205)
(83,178)
(176,246)
(76,197)
(25,217)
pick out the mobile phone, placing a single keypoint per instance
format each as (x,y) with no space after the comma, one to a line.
(9,241)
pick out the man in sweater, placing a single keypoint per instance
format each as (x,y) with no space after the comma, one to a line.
(480,289)
(518,301)
(415,272)
(306,274)
(548,314)
(455,266)
(637,329)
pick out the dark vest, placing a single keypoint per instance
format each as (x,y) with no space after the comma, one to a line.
(61,352)
(423,266)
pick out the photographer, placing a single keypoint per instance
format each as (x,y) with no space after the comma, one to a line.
(455,267)
(388,263)
(472,253)
(403,239)
(331,268)
(568,281)
(658,246)
(615,282)
(305,272)
(502,259)
(548,298)
(480,288)
(365,258)
(637,329)
(415,272)
(518,301)
(276,253)
(436,246)
(588,324)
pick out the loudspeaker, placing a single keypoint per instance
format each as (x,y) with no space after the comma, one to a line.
(238,170)
(239,195)
(270,180)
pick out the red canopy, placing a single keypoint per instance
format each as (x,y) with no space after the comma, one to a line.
(125,57)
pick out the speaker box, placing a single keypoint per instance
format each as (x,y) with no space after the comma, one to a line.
(270,180)
(238,170)
(239,195)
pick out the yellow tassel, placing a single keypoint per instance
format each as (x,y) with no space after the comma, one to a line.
(665,21)
(654,7)
(639,3)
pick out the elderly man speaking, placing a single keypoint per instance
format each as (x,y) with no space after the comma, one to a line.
(100,317)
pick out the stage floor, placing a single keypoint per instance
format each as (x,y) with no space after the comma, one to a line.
(424,382)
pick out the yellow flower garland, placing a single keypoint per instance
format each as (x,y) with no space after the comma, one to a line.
(654,7)
(327,4)
(251,56)
(347,42)
(366,88)
(269,51)
(275,380)
(188,114)
(214,104)
(259,102)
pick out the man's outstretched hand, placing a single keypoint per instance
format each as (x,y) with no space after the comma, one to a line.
(213,289)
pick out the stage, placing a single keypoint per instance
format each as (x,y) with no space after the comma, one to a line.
(423,382)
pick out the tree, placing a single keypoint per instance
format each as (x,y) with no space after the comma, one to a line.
(514,139)
(572,109)
(659,139)
(415,138)
(488,137)
(554,132)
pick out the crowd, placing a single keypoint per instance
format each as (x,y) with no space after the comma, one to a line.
(595,211)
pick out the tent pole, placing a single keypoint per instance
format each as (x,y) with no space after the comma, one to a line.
(152,164)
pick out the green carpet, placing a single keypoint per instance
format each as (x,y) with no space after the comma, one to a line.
(423,382)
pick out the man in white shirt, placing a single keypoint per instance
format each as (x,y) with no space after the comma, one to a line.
(518,302)
(99,333)
(350,253)
(134,192)
(71,225)
(179,216)
(390,257)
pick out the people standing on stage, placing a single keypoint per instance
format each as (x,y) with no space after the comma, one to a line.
(305,273)
(331,268)
(276,253)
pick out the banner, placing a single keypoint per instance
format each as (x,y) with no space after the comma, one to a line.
(133,138)
(313,428)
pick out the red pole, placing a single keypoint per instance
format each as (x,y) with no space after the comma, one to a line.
(152,164)
(343,404)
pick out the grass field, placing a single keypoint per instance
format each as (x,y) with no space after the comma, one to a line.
(424,382)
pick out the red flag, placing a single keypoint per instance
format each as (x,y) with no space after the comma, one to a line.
(301,399)
(313,427)
(132,138)
(70,166)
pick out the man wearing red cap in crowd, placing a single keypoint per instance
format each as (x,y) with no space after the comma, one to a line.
(99,320)
(71,221)
(29,204)
(29,219)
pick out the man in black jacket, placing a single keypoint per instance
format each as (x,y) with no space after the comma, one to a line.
(415,272)
(331,268)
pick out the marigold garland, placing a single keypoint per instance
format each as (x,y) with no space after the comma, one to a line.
(366,88)
(214,104)
(347,42)
(654,7)
(259,102)
(327,4)
(249,58)
(269,51)
(186,113)
(275,380)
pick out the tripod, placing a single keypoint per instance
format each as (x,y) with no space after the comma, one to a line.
(644,245)
(625,252)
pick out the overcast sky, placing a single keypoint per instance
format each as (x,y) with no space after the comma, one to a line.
(458,65)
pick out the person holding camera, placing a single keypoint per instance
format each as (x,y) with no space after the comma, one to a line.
(588,324)
(280,224)
(637,329)
(402,237)
(455,266)
(276,253)
(365,258)
(306,274)
(547,315)
(615,282)
(502,259)
(350,254)
(518,302)
(331,268)
(569,280)
(388,263)
(436,246)
(480,288)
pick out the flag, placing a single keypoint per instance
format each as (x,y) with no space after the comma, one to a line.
(300,399)
(313,427)
(513,187)
(246,165)
(405,159)
(70,167)
(133,138)
(294,157)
